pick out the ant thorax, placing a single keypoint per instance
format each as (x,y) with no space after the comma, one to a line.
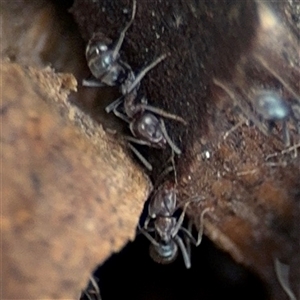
(164,201)
(165,227)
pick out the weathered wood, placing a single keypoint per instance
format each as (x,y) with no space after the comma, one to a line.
(70,195)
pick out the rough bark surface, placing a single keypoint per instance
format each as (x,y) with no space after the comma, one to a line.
(67,202)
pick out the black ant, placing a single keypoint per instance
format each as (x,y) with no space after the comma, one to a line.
(146,128)
(104,61)
(166,227)
(105,64)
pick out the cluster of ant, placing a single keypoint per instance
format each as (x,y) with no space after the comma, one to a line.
(148,129)
(109,69)
(163,227)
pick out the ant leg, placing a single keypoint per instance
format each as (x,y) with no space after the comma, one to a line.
(92,291)
(187,237)
(140,157)
(295,115)
(87,295)
(163,175)
(168,139)
(148,236)
(146,223)
(92,83)
(110,107)
(200,232)
(185,254)
(180,220)
(167,170)
(138,141)
(286,134)
(121,116)
(188,233)
(282,272)
(96,287)
(142,74)
(113,107)
(122,35)
(162,113)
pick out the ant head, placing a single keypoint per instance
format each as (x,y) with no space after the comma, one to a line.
(99,55)
(164,253)
(272,106)
(147,127)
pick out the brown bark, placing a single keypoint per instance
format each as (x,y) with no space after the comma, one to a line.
(67,201)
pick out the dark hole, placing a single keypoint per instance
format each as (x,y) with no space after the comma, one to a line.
(63,5)
(131,274)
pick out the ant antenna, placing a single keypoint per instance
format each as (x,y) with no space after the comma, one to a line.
(168,139)
(140,157)
(122,35)
(142,74)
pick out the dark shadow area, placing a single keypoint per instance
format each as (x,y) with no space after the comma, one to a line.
(131,274)
(63,5)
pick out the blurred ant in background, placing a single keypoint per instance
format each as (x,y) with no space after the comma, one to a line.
(272,108)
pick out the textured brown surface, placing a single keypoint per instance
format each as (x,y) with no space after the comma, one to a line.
(67,202)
